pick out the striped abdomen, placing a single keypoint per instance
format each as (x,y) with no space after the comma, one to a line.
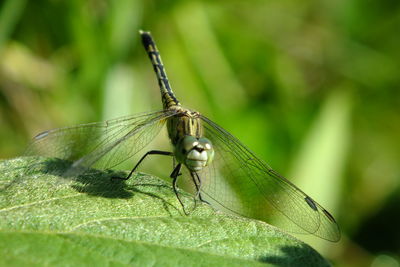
(167,96)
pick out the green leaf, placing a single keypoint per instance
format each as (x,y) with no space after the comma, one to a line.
(93,220)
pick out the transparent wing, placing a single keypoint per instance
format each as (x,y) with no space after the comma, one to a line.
(240,182)
(100,145)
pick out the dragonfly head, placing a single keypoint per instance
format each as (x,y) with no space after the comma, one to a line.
(195,153)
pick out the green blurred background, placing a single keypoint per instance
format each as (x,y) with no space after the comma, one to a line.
(312,87)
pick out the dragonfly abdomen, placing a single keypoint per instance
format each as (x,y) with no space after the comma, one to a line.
(167,95)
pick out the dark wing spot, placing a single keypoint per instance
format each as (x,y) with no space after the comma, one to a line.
(330,217)
(311,203)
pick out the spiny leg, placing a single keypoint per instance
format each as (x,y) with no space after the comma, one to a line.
(151,152)
(174,175)
(192,174)
(198,185)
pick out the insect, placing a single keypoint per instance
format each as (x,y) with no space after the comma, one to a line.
(213,160)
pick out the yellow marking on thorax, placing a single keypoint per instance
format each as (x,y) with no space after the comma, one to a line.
(186,122)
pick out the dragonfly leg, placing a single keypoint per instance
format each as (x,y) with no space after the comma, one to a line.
(198,184)
(174,175)
(151,152)
(174,165)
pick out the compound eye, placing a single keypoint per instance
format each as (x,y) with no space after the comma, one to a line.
(207,146)
(206,143)
(189,142)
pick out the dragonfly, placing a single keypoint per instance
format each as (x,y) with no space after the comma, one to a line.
(210,158)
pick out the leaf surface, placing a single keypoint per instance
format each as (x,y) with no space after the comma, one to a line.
(93,220)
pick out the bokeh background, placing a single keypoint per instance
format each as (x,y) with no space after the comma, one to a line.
(312,87)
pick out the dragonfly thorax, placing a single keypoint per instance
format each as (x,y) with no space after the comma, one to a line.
(195,153)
